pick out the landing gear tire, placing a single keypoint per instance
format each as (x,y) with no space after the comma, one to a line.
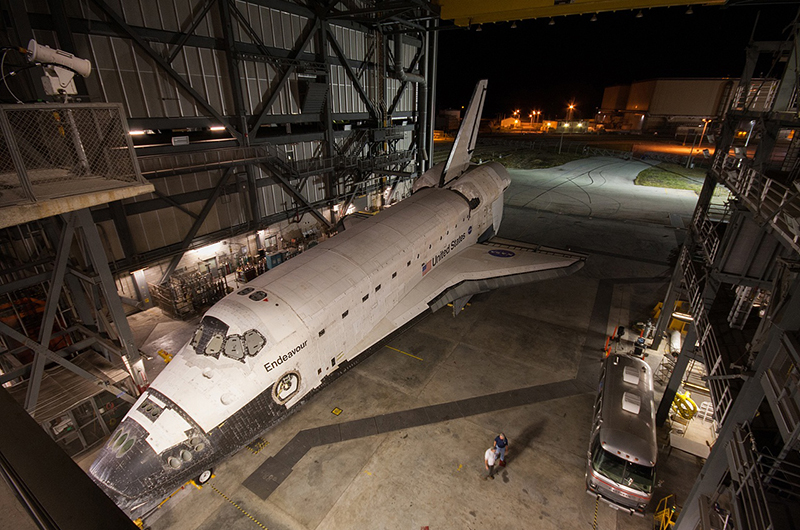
(204,477)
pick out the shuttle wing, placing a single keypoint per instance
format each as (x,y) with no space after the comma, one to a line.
(477,269)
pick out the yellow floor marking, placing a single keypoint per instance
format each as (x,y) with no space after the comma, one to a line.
(336,411)
(261,445)
(367,472)
(238,507)
(405,353)
(459,467)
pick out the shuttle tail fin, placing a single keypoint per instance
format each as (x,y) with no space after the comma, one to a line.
(464,145)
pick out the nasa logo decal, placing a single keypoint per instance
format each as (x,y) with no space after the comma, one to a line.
(501,253)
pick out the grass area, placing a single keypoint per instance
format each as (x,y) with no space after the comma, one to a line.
(666,175)
(510,157)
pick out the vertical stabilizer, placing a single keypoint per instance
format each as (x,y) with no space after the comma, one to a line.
(461,153)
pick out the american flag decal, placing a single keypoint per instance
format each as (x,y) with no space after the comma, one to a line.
(426,267)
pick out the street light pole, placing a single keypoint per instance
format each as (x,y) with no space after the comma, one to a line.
(561,141)
(691,151)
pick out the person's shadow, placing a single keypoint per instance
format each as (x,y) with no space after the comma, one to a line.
(522,442)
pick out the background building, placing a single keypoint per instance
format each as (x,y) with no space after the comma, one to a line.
(676,106)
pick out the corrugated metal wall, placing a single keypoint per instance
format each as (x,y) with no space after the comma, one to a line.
(122,72)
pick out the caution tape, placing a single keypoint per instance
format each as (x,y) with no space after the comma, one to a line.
(594,523)
(238,507)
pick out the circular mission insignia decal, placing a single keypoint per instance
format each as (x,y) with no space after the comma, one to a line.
(501,253)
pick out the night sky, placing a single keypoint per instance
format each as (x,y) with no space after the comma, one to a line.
(538,66)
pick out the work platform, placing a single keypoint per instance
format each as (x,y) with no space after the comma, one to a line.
(58,158)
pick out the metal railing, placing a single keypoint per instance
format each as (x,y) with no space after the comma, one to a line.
(771,201)
(54,150)
(718,385)
(751,508)
(159,166)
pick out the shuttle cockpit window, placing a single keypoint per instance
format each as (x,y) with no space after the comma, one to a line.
(246,290)
(258,296)
(209,337)
(234,347)
(249,344)
(253,342)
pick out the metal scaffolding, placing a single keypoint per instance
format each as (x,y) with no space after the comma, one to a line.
(739,270)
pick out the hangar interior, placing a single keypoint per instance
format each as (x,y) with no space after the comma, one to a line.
(213,139)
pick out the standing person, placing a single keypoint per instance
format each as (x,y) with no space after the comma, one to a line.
(501,446)
(489,459)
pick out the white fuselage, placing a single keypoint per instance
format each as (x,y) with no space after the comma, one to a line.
(261,349)
(321,304)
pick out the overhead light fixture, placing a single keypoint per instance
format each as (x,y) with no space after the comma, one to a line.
(514,25)
(689,11)
(136,133)
(479,28)
(217,128)
(551,23)
(594,18)
(639,14)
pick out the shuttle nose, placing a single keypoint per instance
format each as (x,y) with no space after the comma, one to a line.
(135,476)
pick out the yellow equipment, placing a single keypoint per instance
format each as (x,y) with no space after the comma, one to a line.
(684,406)
(666,513)
(164,355)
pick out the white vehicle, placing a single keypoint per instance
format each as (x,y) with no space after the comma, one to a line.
(262,350)
(621,461)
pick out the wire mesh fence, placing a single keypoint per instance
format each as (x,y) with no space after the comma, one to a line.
(48,151)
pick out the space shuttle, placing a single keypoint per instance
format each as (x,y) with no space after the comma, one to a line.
(263,350)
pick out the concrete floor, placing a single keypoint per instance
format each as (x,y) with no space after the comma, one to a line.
(549,333)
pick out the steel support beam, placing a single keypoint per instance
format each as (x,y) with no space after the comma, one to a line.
(785,319)
(160,61)
(225,9)
(126,241)
(373,111)
(109,289)
(673,291)
(193,26)
(311,28)
(295,193)
(169,200)
(686,354)
(45,353)
(330,141)
(46,327)
(433,54)
(187,240)
(74,288)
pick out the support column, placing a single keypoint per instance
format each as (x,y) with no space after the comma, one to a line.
(785,318)
(677,375)
(433,72)
(668,306)
(330,146)
(46,328)
(99,261)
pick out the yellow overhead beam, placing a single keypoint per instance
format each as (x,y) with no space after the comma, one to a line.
(467,12)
